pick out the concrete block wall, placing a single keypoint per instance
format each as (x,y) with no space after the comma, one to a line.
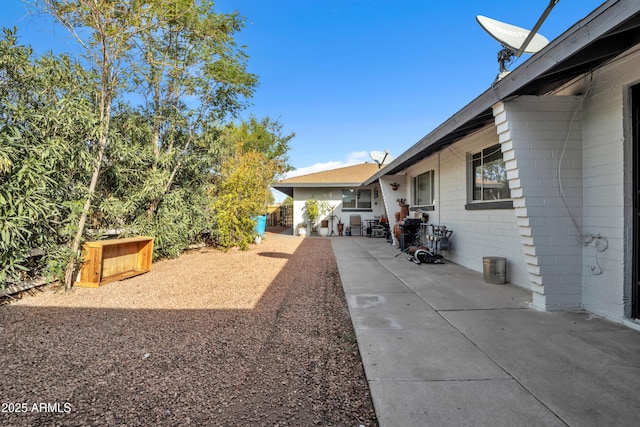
(539,236)
(476,233)
(536,133)
(607,176)
(429,164)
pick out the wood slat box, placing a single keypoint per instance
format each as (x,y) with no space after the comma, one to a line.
(111,260)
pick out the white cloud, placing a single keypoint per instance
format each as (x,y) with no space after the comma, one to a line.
(353,158)
(357,157)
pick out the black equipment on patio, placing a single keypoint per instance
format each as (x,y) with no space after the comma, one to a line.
(419,252)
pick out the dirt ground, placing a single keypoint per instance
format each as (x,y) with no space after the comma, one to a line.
(253,338)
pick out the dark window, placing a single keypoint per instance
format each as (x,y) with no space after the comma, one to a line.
(489,176)
(356,198)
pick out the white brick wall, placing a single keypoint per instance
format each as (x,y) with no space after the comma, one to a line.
(605,173)
(533,131)
(538,236)
(595,175)
(476,234)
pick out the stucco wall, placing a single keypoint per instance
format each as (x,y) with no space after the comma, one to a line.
(333,196)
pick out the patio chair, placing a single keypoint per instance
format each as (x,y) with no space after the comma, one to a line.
(378,231)
(355,224)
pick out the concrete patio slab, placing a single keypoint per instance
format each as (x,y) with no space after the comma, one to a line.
(437,353)
(390,311)
(452,287)
(458,403)
(360,272)
(361,275)
(585,369)
(441,347)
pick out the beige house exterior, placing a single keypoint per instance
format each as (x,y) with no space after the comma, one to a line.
(341,188)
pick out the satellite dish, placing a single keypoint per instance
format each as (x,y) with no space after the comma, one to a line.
(379,157)
(510,36)
(515,40)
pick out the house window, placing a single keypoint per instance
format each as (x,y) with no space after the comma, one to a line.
(356,198)
(423,189)
(488,176)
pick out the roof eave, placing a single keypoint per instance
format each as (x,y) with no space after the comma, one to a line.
(288,188)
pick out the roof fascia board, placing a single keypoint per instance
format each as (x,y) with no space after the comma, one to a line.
(318,185)
(584,32)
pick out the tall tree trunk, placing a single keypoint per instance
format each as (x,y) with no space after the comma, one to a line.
(71,267)
(154,205)
(157,122)
(105,117)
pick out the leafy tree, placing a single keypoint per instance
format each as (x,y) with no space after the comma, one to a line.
(264,136)
(167,167)
(128,185)
(46,118)
(288,201)
(243,193)
(191,74)
(105,29)
(242,189)
(181,58)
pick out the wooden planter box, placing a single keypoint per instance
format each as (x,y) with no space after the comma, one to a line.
(111,260)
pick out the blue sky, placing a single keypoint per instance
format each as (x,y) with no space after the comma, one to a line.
(351,76)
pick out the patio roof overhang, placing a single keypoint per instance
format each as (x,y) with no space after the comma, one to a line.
(609,30)
(288,188)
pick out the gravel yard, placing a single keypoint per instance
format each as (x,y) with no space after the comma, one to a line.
(251,338)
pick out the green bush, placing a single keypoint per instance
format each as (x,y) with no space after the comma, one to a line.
(46,119)
(242,194)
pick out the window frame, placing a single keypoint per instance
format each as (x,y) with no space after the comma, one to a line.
(431,178)
(479,204)
(357,208)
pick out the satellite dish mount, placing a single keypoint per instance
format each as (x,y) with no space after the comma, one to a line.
(379,157)
(505,56)
(515,40)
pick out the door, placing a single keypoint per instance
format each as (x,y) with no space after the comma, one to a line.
(286,216)
(635,123)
